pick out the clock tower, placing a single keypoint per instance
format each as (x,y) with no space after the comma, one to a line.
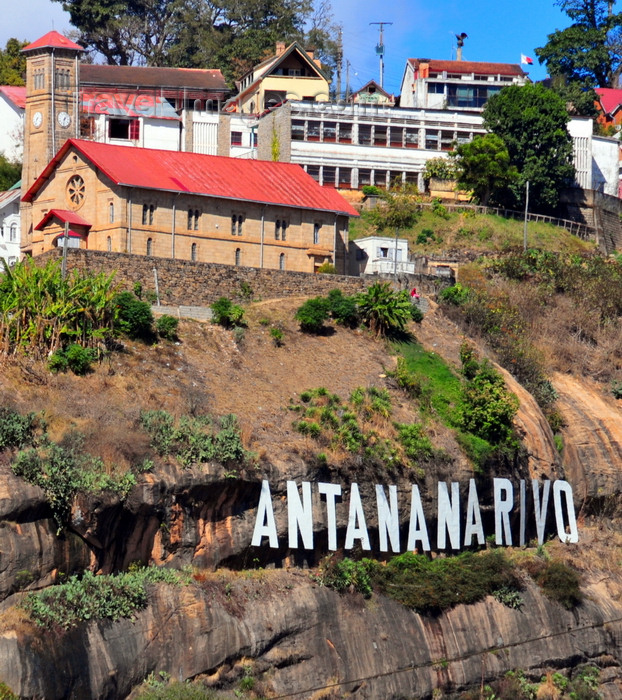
(52,108)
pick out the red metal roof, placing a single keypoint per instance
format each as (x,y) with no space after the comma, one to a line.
(128,104)
(467,67)
(610,99)
(261,181)
(53,40)
(16,94)
(65,216)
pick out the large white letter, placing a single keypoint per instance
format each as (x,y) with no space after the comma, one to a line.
(357,529)
(540,510)
(503,506)
(417,530)
(264,523)
(523,513)
(448,515)
(388,518)
(331,491)
(473,523)
(299,516)
(558,487)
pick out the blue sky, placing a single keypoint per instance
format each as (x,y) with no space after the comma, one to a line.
(498,31)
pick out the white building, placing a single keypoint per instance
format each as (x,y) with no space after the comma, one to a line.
(9,224)
(12,106)
(375,255)
(596,158)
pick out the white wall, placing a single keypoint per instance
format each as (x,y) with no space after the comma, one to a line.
(9,216)
(606,164)
(11,129)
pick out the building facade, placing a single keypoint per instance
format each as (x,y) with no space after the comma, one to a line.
(9,225)
(187,206)
(12,106)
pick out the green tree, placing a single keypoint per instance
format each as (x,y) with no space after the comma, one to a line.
(532,121)
(384,310)
(483,166)
(399,208)
(10,172)
(13,63)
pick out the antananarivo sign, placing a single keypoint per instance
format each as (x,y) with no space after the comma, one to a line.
(456,527)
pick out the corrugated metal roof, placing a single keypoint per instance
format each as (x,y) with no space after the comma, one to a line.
(609,98)
(65,216)
(53,40)
(146,76)
(16,94)
(128,104)
(262,181)
(8,197)
(469,67)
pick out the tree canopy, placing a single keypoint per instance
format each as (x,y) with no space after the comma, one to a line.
(13,63)
(483,166)
(232,35)
(10,172)
(532,121)
(585,55)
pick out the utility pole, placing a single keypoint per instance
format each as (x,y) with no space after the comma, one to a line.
(339,63)
(380,49)
(526,215)
(347,80)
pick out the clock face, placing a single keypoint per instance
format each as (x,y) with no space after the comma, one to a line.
(37,119)
(64,119)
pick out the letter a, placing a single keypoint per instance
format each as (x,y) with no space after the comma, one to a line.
(264,523)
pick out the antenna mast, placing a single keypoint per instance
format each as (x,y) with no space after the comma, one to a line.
(380,49)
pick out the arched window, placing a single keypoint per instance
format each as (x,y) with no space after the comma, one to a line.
(196,219)
(111,212)
(151,211)
(282,261)
(234,221)
(283,229)
(277,229)
(13,233)
(193,252)
(238,256)
(240,222)
(109,244)
(316,233)
(189,219)
(149,246)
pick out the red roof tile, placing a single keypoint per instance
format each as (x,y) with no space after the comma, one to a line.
(610,99)
(53,40)
(469,67)
(65,216)
(261,181)
(16,94)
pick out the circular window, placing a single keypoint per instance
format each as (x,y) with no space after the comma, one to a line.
(75,192)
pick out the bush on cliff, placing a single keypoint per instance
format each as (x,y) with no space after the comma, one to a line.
(134,317)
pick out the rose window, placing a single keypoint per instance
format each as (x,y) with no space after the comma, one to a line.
(75,191)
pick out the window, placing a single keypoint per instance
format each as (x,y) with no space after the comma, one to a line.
(345,178)
(345,133)
(298,130)
(396,137)
(283,229)
(314,171)
(193,252)
(148,212)
(111,212)
(329,132)
(149,246)
(236,224)
(316,233)
(365,134)
(277,230)
(126,129)
(282,261)
(193,219)
(13,233)
(61,79)
(238,256)
(313,131)
(329,174)
(75,191)
(364,177)
(411,138)
(236,138)
(39,76)
(380,135)
(109,244)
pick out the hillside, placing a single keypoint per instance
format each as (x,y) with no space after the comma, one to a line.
(266,622)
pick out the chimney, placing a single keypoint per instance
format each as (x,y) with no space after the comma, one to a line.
(280,48)
(459,53)
(311,52)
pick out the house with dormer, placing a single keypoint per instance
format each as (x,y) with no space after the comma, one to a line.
(293,73)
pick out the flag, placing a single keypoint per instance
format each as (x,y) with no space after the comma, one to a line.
(526,59)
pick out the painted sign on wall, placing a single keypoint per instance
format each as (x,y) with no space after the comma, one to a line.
(456,524)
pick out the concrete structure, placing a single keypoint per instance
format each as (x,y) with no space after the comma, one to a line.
(10,225)
(186,206)
(380,255)
(596,158)
(463,85)
(12,106)
(372,94)
(291,74)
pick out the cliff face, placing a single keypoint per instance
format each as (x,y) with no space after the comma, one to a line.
(295,634)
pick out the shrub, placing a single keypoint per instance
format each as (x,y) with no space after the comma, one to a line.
(416,313)
(6,693)
(416,443)
(347,574)
(277,336)
(327,268)
(561,583)
(385,311)
(312,315)
(455,295)
(166,327)
(227,314)
(371,190)
(74,357)
(616,390)
(17,430)
(343,309)
(134,317)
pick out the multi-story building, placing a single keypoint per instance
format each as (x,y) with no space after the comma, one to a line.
(9,225)
(464,85)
